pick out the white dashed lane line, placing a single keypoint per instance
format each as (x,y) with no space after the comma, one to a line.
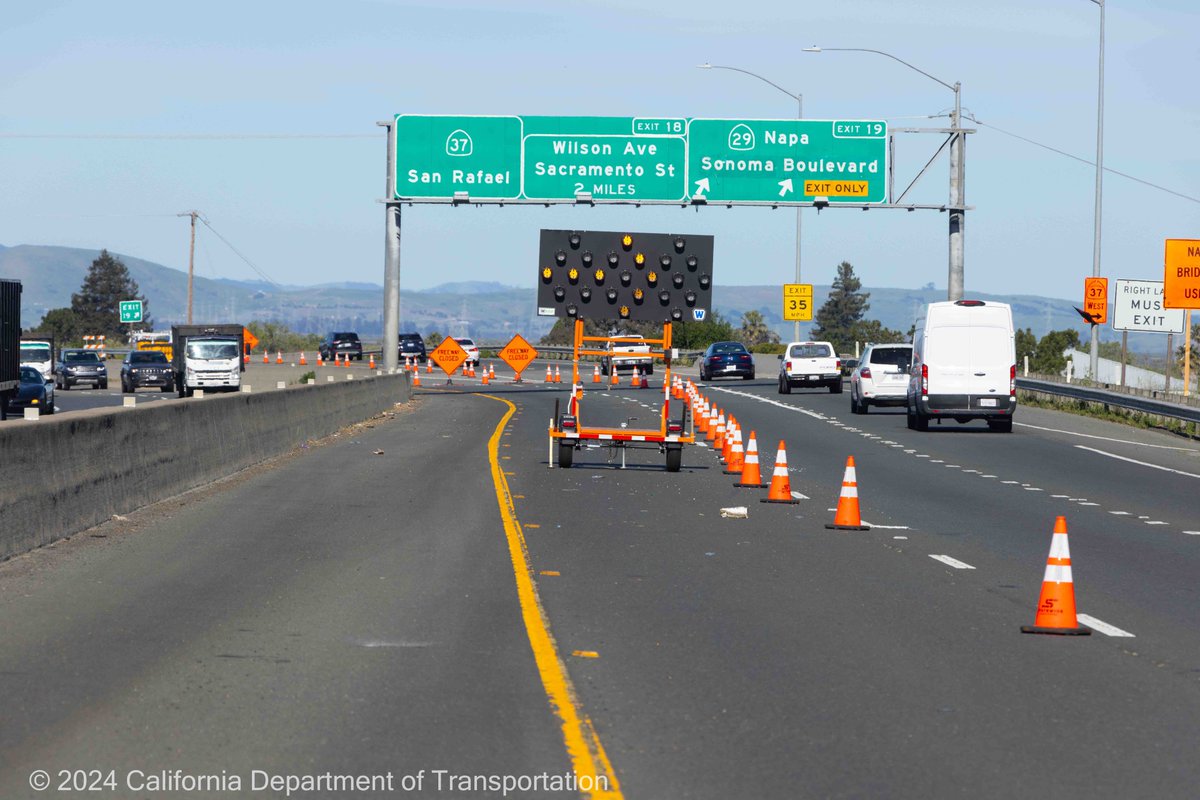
(953,562)
(1082,501)
(1100,626)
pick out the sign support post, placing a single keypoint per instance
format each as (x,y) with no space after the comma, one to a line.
(391,262)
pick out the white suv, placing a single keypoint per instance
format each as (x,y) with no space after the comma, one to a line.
(881,377)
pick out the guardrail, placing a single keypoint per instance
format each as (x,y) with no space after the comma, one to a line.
(1106,397)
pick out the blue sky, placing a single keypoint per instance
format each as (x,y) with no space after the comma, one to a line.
(305,210)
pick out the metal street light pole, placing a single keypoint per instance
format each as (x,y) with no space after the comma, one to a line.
(799,98)
(1095,344)
(958,211)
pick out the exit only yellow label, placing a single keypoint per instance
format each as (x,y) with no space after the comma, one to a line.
(836,188)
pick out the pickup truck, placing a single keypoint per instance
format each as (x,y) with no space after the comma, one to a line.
(628,353)
(810,364)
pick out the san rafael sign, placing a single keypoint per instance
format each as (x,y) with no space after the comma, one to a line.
(633,159)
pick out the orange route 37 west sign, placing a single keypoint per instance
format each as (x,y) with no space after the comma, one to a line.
(449,356)
(518,353)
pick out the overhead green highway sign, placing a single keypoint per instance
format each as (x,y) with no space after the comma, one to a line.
(639,159)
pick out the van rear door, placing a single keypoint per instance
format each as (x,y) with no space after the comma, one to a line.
(948,358)
(991,360)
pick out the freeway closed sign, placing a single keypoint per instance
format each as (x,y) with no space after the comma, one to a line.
(640,159)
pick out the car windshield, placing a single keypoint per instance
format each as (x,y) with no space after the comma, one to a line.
(81,357)
(31,375)
(210,350)
(729,347)
(35,352)
(147,357)
(810,351)
(897,356)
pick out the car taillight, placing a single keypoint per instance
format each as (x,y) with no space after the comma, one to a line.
(674,426)
(838,364)
(744,357)
(924,379)
(1012,381)
(787,366)
(713,359)
(865,372)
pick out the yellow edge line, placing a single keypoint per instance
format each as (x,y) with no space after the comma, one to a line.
(583,745)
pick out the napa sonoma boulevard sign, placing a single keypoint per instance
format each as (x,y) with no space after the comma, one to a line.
(639,159)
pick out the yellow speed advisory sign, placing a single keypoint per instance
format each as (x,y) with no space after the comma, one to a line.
(797,302)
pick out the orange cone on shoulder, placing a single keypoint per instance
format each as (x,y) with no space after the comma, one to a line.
(847,517)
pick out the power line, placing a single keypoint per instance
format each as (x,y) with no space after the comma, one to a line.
(1083,160)
(228,244)
(151,136)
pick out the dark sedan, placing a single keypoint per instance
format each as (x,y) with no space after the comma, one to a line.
(726,360)
(146,368)
(80,366)
(341,345)
(33,392)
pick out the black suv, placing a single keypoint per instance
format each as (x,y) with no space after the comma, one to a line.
(343,344)
(146,368)
(80,366)
(412,346)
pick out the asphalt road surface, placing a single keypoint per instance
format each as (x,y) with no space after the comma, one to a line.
(454,604)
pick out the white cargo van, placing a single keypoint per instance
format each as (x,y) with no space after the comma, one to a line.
(964,365)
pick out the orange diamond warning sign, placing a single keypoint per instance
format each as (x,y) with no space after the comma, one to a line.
(518,353)
(449,356)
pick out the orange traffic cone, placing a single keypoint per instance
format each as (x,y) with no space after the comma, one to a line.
(346,360)
(549,374)
(616,379)
(735,459)
(719,437)
(428,366)
(847,518)
(596,374)
(372,361)
(266,358)
(781,486)
(303,360)
(636,382)
(557,374)
(727,447)
(470,371)
(701,416)
(246,358)
(1056,606)
(711,434)
(750,477)
(279,358)
(485,377)
(320,361)
(491,372)
(416,378)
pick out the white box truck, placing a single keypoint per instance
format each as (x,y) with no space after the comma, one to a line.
(964,365)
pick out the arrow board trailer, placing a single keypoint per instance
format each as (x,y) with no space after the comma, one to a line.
(572,430)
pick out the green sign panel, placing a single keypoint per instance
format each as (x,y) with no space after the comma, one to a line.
(438,156)
(666,159)
(131,310)
(767,160)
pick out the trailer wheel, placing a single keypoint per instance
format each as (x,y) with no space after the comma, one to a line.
(566,454)
(674,459)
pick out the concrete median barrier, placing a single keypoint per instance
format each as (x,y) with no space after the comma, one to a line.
(65,474)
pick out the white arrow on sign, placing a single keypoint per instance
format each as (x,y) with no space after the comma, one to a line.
(785,187)
(701,187)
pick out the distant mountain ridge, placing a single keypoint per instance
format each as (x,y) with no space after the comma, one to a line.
(487,310)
